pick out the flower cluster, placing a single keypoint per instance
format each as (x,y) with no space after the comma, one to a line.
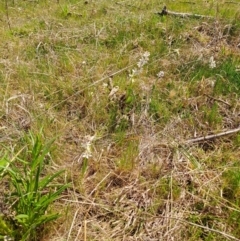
(160,74)
(142,61)
(87,145)
(212,63)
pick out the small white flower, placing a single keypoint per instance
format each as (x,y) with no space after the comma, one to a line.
(87,145)
(88,152)
(161,74)
(143,60)
(146,55)
(212,63)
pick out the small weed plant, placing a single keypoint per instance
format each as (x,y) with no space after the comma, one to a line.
(31,192)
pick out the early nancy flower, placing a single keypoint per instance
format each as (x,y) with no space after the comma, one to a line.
(161,74)
(212,63)
(144,59)
(87,145)
(88,152)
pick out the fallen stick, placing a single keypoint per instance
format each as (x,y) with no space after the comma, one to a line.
(210,137)
(182,15)
(231,2)
(188,2)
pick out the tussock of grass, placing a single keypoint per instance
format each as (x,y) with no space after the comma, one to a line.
(121,90)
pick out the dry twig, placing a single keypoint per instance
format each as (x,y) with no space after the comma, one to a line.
(231,2)
(182,15)
(214,136)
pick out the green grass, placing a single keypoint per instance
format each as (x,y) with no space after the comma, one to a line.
(120,89)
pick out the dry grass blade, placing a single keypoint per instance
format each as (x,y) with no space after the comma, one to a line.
(72,225)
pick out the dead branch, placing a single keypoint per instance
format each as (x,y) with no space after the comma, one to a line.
(181,15)
(231,2)
(188,2)
(214,136)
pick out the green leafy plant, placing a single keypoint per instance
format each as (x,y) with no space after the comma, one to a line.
(32,191)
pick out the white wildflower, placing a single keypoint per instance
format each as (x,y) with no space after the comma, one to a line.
(87,145)
(212,63)
(143,60)
(88,152)
(160,74)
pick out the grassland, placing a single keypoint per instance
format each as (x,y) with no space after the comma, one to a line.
(124,93)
